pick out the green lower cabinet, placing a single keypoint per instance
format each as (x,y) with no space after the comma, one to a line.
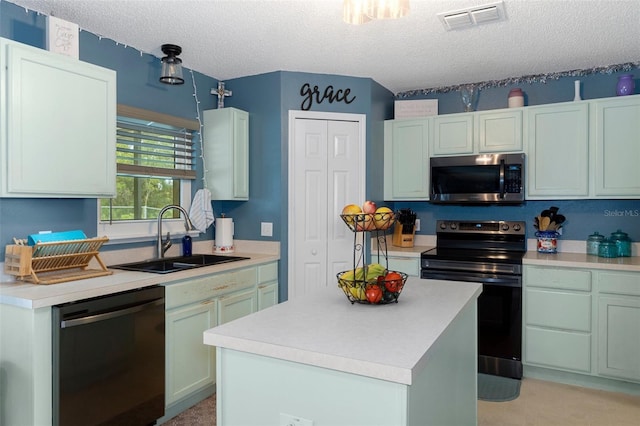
(558,326)
(619,325)
(619,337)
(583,321)
(560,349)
(408,265)
(236,305)
(267,285)
(199,304)
(190,364)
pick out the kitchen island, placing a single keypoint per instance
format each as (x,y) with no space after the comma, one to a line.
(322,359)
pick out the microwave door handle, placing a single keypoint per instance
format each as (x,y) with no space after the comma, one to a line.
(502,173)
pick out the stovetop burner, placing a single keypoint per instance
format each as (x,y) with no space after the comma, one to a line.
(479,241)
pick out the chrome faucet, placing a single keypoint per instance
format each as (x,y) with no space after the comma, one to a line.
(163,246)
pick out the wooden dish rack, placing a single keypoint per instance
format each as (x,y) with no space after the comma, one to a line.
(55,262)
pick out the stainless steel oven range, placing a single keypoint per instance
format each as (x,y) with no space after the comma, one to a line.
(488,252)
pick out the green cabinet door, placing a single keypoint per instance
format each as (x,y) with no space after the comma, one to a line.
(619,337)
(453,134)
(557,317)
(190,364)
(617,147)
(236,305)
(558,151)
(58,116)
(406,160)
(499,131)
(226,153)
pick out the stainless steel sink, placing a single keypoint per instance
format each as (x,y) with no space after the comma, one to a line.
(180,263)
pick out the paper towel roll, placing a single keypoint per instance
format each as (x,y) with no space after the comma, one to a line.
(224,235)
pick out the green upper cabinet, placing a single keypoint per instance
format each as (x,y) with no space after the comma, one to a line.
(406,160)
(226,153)
(499,131)
(57,125)
(478,132)
(558,151)
(616,152)
(452,134)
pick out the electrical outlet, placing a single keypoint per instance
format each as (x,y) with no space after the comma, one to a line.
(417,225)
(289,420)
(266,229)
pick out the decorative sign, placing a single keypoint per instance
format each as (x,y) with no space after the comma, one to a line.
(312,95)
(62,37)
(415,109)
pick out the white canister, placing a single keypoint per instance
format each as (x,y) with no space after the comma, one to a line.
(224,235)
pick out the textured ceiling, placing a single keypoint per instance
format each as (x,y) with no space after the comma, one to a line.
(226,39)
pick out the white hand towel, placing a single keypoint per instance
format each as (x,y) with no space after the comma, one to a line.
(201,212)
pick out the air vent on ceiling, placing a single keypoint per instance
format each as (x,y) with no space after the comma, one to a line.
(472,16)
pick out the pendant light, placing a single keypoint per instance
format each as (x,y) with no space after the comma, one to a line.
(171,65)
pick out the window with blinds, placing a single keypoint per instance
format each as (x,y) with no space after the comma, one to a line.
(156,158)
(154,149)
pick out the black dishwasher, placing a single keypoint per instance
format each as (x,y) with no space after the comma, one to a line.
(108,359)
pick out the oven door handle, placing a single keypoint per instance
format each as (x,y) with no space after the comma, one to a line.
(499,281)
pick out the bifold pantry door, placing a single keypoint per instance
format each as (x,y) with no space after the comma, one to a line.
(326,172)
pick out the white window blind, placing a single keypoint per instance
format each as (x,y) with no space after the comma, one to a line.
(148,148)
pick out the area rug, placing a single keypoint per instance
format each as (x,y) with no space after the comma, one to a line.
(497,388)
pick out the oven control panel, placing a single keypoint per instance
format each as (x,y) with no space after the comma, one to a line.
(480,227)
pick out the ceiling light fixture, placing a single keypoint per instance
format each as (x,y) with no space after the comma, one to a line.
(171,65)
(362,11)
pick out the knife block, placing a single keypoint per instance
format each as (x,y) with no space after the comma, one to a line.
(401,239)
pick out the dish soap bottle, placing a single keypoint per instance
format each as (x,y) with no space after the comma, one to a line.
(186,245)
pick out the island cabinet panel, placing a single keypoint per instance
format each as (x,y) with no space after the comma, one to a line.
(190,365)
(406,160)
(558,151)
(619,325)
(617,149)
(58,125)
(256,386)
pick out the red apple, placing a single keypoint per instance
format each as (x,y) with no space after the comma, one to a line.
(369,207)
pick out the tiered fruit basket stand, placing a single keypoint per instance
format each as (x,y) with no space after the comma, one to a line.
(371,284)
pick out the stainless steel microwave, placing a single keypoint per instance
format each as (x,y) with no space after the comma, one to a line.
(477,179)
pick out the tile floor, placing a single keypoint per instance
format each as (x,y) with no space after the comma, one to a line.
(543,403)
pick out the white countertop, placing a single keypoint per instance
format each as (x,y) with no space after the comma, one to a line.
(582,260)
(34,296)
(390,342)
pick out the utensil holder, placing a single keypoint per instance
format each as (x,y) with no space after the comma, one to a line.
(547,241)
